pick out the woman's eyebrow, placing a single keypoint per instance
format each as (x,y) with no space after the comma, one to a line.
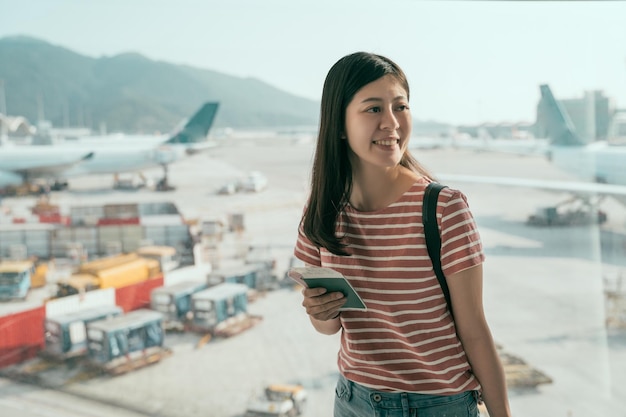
(378,99)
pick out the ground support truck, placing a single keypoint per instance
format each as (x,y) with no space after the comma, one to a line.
(279,400)
(18,277)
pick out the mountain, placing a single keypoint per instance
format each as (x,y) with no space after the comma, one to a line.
(131,93)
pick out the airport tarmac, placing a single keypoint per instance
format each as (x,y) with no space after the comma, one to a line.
(543,291)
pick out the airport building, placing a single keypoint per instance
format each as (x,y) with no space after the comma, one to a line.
(15,126)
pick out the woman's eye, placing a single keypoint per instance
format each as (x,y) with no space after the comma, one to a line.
(403,107)
(374,110)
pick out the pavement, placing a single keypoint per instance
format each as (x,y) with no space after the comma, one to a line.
(543,290)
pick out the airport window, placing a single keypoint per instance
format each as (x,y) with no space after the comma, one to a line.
(181,140)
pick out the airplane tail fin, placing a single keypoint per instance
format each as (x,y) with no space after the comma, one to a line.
(197,128)
(559,126)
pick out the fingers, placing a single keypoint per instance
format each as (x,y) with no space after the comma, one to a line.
(322,305)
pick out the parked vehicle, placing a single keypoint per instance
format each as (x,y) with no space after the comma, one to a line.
(279,401)
(66,335)
(557,216)
(255,181)
(126,342)
(295,393)
(263,407)
(15,279)
(228,189)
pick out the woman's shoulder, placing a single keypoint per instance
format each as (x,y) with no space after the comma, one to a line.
(447,195)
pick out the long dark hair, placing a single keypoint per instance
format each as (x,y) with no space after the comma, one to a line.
(331,179)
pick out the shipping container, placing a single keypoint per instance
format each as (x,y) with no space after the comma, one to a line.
(177,236)
(166,255)
(52,240)
(239,274)
(21,335)
(121,211)
(174,301)
(86,215)
(157,209)
(137,296)
(97,265)
(36,237)
(73,303)
(66,335)
(111,272)
(217,304)
(66,239)
(128,236)
(125,342)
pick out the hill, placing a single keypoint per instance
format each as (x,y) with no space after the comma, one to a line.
(131,93)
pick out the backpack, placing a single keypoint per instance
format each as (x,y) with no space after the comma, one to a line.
(431,231)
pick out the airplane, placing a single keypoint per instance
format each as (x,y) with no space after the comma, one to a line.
(599,162)
(115,154)
(600,166)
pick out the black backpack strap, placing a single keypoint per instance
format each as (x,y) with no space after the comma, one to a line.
(431,231)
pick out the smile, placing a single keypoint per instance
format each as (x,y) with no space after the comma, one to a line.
(387,142)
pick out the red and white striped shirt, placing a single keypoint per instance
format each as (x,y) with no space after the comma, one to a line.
(406,340)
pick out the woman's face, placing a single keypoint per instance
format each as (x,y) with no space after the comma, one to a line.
(378,124)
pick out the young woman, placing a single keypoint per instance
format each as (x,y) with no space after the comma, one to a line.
(405,355)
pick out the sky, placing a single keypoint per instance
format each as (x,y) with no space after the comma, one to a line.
(467,62)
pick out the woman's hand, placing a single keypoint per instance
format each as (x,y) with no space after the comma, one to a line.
(321,305)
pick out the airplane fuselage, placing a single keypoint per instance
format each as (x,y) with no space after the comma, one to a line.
(117,158)
(596,162)
(109,154)
(106,158)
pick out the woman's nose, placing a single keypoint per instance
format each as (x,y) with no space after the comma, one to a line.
(389,121)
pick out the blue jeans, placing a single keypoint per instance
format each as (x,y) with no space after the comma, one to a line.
(354,400)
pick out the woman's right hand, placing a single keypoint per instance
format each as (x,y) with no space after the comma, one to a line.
(322,305)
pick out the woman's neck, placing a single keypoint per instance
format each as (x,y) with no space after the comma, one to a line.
(375,190)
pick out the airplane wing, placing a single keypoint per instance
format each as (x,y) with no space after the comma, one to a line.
(521,147)
(199,147)
(583,189)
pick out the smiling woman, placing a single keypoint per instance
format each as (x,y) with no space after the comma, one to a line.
(361,220)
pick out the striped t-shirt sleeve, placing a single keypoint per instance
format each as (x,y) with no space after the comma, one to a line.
(461,247)
(306,251)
